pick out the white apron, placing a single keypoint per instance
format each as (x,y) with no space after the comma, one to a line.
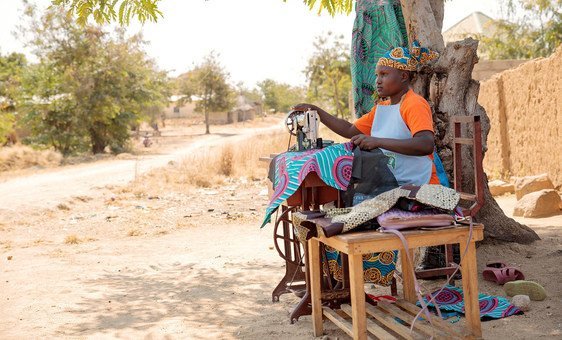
(388,123)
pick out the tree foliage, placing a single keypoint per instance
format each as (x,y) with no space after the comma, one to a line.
(333,7)
(328,74)
(280,97)
(105,11)
(12,67)
(122,11)
(207,84)
(533,28)
(253,95)
(89,87)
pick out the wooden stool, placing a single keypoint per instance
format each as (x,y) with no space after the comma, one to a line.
(356,244)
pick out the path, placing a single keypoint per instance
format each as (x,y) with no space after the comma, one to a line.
(50,188)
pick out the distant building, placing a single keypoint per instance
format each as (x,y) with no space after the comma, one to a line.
(176,109)
(478,25)
(243,110)
(474,25)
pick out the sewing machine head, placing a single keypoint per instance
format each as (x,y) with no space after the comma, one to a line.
(304,125)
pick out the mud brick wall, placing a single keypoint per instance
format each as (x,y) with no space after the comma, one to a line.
(525,109)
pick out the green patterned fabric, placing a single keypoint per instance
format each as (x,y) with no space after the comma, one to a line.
(379,26)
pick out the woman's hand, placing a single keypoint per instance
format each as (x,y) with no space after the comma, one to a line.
(365,142)
(306,107)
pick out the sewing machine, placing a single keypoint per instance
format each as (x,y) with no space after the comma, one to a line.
(305,126)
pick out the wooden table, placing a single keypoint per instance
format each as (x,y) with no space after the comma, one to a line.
(358,243)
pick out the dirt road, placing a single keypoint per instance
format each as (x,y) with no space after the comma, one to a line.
(47,189)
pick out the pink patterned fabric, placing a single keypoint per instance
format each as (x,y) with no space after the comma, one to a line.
(398,219)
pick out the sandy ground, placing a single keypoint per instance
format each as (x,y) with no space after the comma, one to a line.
(163,262)
(50,186)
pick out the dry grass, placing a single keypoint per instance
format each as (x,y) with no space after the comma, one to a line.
(72,239)
(215,166)
(226,161)
(134,232)
(62,206)
(21,157)
(6,245)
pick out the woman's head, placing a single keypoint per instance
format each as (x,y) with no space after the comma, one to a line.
(391,81)
(396,67)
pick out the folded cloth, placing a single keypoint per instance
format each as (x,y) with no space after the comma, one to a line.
(399,219)
(332,164)
(491,307)
(370,176)
(337,221)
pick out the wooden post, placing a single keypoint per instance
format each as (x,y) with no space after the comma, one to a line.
(408,275)
(315,285)
(358,313)
(470,288)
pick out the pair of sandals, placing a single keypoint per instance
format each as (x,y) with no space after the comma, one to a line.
(500,273)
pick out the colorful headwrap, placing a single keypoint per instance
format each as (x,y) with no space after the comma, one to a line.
(403,59)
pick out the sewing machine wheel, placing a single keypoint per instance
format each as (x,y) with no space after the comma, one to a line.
(290,122)
(285,240)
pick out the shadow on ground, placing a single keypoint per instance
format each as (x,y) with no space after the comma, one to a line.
(209,301)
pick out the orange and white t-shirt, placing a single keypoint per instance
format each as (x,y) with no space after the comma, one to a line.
(402,121)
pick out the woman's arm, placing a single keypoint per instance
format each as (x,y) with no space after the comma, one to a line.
(421,144)
(340,126)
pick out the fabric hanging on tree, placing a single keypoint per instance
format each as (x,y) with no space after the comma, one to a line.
(379,26)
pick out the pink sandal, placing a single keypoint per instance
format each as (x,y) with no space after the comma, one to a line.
(500,273)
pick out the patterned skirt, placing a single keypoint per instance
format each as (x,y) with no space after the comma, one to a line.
(378,268)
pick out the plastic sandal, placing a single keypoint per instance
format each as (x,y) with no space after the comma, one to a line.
(502,275)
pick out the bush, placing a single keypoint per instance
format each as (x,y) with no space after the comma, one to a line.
(21,157)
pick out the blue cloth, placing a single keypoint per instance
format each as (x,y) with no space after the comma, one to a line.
(441,174)
(491,307)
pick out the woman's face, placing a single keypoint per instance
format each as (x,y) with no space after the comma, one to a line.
(390,81)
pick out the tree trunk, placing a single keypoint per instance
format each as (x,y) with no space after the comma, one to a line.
(207,130)
(339,112)
(451,91)
(98,142)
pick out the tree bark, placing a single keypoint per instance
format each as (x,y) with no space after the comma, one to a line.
(97,141)
(451,91)
(207,130)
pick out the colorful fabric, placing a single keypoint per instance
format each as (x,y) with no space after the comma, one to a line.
(378,268)
(440,171)
(405,59)
(332,164)
(491,307)
(378,27)
(336,221)
(432,195)
(415,113)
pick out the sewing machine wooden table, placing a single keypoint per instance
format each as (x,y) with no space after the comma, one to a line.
(312,193)
(354,244)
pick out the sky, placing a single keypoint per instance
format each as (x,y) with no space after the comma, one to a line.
(255,39)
